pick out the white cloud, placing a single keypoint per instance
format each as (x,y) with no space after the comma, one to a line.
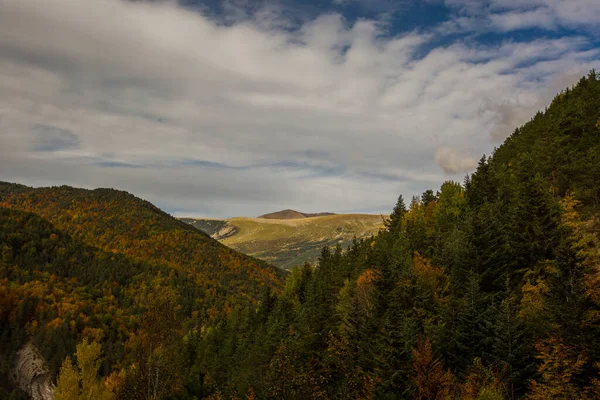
(252,116)
(515,20)
(453,161)
(510,15)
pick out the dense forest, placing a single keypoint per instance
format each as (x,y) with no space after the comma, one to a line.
(106,266)
(486,289)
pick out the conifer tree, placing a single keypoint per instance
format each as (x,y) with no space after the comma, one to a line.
(470,337)
(510,347)
(394,224)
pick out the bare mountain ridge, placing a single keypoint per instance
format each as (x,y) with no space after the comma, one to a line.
(292,214)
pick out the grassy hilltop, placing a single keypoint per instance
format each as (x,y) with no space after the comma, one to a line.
(291,241)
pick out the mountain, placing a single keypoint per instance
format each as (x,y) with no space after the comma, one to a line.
(119,222)
(289,241)
(291,214)
(81,263)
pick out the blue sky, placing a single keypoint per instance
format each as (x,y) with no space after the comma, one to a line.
(238,107)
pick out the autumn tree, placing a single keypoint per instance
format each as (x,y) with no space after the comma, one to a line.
(81,381)
(560,365)
(430,379)
(155,348)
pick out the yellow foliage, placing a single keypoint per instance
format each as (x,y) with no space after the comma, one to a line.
(55,323)
(67,387)
(82,382)
(114,381)
(532,303)
(570,217)
(587,245)
(483,382)
(365,289)
(31,327)
(560,363)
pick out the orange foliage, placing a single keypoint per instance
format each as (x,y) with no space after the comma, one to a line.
(432,279)
(430,379)
(367,277)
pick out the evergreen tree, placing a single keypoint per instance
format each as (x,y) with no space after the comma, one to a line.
(470,337)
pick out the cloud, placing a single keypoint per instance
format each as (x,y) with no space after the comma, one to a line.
(452,161)
(517,20)
(251,115)
(510,113)
(512,15)
(52,138)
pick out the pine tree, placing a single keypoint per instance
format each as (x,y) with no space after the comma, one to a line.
(470,336)
(535,223)
(394,224)
(480,188)
(428,197)
(510,346)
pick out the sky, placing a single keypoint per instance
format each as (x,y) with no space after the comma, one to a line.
(221,108)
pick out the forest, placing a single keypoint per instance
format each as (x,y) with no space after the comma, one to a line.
(483,289)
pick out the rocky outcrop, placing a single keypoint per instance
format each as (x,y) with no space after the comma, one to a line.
(225,232)
(32,375)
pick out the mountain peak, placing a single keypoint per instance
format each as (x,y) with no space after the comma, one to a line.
(292,214)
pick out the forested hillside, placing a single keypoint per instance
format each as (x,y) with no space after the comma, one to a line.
(107,266)
(485,290)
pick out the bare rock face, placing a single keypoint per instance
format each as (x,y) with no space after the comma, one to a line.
(225,232)
(32,375)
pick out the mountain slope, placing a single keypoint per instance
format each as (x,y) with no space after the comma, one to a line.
(562,144)
(78,263)
(54,288)
(289,242)
(119,222)
(487,290)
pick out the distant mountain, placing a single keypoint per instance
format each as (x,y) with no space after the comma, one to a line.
(291,239)
(292,214)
